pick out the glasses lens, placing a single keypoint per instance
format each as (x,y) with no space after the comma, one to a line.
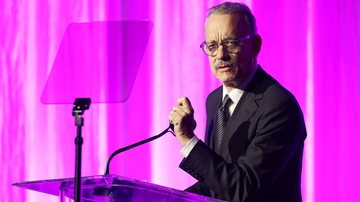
(212,48)
(205,48)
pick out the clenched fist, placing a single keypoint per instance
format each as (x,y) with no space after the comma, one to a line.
(182,116)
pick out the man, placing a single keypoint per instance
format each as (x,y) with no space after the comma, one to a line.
(253,143)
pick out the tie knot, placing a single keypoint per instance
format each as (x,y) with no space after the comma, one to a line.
(226,102)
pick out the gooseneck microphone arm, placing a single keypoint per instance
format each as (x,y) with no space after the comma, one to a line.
(170,129)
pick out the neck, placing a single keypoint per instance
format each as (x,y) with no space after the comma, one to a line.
(242,84)
(229,88)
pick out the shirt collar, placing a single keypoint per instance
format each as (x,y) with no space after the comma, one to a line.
(234,95)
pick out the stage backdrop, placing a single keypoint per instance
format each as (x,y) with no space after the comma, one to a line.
(311,46)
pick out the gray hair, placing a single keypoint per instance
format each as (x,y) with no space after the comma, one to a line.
(235,8)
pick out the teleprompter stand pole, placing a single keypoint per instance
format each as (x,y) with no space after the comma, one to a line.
(80,105)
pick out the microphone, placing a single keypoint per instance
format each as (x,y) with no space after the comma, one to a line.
(169,129)
(171,126)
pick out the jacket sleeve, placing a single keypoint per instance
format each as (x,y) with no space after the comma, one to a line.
(199,188)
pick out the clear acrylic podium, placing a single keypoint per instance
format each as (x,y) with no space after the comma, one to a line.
(111,188)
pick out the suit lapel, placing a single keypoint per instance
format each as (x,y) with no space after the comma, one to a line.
(245,109)
(247,105)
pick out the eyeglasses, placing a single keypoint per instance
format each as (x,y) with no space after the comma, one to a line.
(231,46)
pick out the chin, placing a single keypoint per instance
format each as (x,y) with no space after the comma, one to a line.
(229,80)
(226,78)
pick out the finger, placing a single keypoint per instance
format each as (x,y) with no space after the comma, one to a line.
(184,101)
(177,115)
(181,110)
(171,119)
(174,114)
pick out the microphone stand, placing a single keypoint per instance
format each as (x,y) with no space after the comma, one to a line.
(80,105)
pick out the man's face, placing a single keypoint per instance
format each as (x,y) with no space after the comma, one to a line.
(230,68)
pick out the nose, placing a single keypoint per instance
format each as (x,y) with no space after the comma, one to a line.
(222,54)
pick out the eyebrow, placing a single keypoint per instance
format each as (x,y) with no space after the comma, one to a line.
(229,38)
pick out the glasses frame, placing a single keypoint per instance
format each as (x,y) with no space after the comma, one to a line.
(204,45)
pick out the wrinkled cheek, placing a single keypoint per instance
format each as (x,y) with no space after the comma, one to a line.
(214,71)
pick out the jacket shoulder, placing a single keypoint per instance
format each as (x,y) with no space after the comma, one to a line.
(272,90)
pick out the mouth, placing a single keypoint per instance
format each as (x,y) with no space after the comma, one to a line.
(224,68)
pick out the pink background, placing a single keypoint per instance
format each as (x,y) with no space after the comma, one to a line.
(312,47)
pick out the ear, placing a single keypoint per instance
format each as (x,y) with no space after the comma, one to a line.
(256,41)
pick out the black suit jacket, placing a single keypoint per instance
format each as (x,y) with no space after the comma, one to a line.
(261,158)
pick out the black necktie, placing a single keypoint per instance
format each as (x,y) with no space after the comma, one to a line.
(221,120)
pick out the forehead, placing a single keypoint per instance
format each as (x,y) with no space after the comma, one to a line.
(219,26)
